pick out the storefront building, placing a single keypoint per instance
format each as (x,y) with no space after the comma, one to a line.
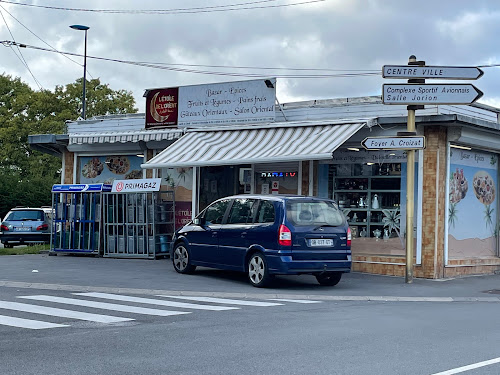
(314,148)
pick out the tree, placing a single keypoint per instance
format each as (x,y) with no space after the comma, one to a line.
(100,99)
(26,175)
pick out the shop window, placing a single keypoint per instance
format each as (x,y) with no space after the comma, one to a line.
(370,189)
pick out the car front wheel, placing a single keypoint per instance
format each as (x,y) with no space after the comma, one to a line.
(181,260)
(258,273)
(329,278)
(8,245)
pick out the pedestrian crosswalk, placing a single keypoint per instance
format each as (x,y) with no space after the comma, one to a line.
(159,306)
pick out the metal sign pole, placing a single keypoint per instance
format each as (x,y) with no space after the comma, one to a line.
(410,188)
(410,179)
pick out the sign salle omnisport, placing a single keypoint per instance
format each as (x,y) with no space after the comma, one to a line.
(450,93)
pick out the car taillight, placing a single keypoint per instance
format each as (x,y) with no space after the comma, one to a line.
(349,236)
(284,236)
(42,227)
(4,227)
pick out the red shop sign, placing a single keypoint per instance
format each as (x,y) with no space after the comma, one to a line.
(162,107)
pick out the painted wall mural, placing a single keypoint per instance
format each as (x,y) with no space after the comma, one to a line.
(472,213)
(106,169)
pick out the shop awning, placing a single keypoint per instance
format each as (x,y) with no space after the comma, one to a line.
(124,137)
(247,145)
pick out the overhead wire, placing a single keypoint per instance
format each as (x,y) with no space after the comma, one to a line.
(340,74)
(43,41)
(20,56)
(209,9)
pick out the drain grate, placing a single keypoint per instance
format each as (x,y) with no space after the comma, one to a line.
(492,291)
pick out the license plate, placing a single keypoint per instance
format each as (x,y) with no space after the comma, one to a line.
(320,242)
(22,229)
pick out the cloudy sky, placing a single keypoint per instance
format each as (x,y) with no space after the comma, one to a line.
(347,40)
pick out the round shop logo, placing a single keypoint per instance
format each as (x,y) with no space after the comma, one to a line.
(119,186)
(163,105)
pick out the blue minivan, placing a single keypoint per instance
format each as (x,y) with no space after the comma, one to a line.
(267,235)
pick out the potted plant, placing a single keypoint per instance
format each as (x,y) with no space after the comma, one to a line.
(391,221)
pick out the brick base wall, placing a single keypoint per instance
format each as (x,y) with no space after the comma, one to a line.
(69,160)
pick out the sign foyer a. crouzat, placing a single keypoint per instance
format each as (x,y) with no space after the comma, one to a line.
(211,104)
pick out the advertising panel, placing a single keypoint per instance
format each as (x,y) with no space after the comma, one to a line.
(106,169)
(472,216)
(212,104)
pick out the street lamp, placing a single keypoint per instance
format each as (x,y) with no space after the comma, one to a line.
(84,28)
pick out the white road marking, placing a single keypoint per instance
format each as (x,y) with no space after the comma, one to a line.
(106,306)
(27,323)
(118,297)
(469,367)
(224,300)
(294,300)
(51,311)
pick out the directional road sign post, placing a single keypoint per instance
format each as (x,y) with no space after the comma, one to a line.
(414,94)
(431,72)
(394,143)
(449,93)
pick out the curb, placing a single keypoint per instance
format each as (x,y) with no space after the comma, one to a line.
(79,288)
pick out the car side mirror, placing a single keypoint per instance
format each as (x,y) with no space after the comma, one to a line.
(199,221)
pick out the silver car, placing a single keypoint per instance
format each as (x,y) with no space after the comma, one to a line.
(25,226)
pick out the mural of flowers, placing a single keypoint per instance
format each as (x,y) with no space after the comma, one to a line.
(458,186)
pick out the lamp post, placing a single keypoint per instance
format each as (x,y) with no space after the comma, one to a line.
(84,28)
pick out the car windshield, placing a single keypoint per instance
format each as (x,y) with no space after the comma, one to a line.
(305,213)
(27,215)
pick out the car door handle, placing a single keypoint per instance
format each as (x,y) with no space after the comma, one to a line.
(214,234)
(243,234)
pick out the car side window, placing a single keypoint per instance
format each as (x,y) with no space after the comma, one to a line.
(215,212)
(266,212)
(242,211)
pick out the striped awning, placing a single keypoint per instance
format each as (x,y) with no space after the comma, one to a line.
(255,145)
(124,137)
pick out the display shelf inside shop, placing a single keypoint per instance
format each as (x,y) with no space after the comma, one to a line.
(366,194)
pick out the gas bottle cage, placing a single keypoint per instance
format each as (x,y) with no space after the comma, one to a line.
(89,218)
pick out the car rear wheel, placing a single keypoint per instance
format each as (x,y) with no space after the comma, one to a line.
(329,278)
(258,273)
(181,260)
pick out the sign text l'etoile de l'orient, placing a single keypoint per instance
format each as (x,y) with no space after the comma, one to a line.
(211,104)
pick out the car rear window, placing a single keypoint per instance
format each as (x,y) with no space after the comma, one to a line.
(27,215)
(304,213)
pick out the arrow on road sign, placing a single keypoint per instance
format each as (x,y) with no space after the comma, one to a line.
(394,143)
(451,93)
(436,72)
